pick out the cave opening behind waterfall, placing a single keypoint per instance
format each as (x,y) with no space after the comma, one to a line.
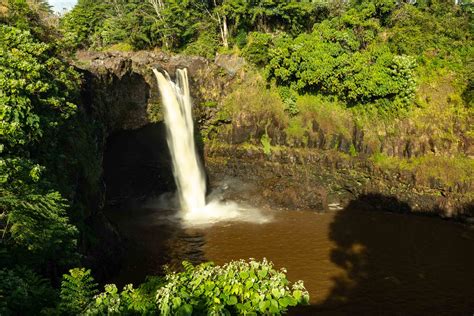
(137,165)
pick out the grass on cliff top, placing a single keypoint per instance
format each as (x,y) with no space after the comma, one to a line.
(439,117)
(447,170)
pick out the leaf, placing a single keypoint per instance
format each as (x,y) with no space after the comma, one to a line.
(274,307)
(176,302)
(297,295)
(262,273)
(263,305)
(185,310)
(284,301)
(248,284)
(276,293)
(232,300)
(292,301)
(244,275)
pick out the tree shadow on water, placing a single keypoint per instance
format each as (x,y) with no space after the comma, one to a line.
(397,264)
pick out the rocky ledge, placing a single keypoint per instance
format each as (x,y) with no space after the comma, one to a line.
(121,91)
(328,180)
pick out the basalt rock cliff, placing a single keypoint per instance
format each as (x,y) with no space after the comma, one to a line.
(321,173)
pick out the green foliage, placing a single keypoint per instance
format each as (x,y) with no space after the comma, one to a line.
(352,151)
(256,50)
(206,45)
(24,292)
(176,24)
(253,104)
(35,89)
(376,56)
(329,116)
(110,302)
(98,24)
(129,301)
(35,17)
(331,61)
(445,170)
(79,295)
(438,36)
(77,291)
(80,24)
(296,132)
(39,224)
(288,96)
(119,47)
(266,143)
(238,287)
(40,159)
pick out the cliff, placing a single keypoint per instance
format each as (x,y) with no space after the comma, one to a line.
(319,159)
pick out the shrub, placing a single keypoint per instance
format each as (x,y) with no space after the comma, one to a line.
(205,45)
(289,99)
(238,287)
(256,50)
(77,290)
(24,292)
(79,295)
(373,75)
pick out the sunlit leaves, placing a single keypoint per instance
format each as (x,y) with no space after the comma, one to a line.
(35,87)
(77,290)
(345,62)
(238,287)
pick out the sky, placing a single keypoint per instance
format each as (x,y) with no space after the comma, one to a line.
(58,5)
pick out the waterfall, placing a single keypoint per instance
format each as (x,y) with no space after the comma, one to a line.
(187,168)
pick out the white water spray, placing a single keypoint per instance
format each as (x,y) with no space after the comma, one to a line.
(187,169)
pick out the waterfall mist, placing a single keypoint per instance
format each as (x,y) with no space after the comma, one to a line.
(188,170)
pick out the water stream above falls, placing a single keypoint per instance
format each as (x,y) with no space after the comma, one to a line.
(352,261)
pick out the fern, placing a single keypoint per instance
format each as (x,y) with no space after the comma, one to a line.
(77,291)
(24,292)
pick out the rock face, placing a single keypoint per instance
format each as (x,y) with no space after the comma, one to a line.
(324,180)
(121,93)
(121,90)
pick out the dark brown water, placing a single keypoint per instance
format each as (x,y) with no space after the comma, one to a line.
(352,261)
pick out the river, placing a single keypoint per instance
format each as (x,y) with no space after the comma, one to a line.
(352,261)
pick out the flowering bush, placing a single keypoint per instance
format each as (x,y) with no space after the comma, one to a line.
(238,287)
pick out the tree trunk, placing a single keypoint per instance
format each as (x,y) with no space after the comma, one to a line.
(225,32)
(222,26)
(158,6)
